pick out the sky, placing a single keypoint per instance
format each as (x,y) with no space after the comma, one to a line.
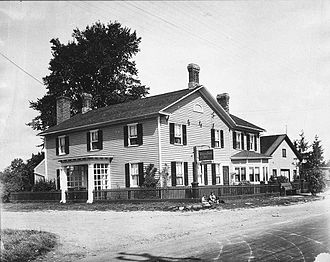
(271,57)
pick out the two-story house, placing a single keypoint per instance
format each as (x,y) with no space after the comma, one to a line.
(110,147)
(284,156)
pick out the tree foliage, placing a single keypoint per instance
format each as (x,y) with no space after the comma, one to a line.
(19,176)
(310,168)
(97,61)
(150,180)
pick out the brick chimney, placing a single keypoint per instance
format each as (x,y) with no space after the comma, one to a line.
(223,100)
(86,102)
(63,105)
(193,70)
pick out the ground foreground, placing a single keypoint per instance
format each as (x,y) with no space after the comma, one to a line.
(284,233)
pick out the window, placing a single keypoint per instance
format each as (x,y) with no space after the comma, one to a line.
(283,152)
(134,175)
(257,174)
(198,108)
(238,140)
(274,173)
(243,173)
(251,174)
(179,173)
(201,175)
(252,142)
(217,174)
(94,140)
(217,139)
(178,134)
(62,145)
(237,174)
(265,173)
(101,176)
(133,135)
(77,176)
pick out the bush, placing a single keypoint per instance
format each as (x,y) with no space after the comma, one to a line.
(282,179)
(44,185)
(150,180)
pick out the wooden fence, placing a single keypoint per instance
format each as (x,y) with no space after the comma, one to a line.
(170,193)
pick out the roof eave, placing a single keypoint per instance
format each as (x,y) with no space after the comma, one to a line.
(112,122)
(251,128)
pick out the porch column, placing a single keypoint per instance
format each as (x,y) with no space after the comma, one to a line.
(63,184)
(90,183)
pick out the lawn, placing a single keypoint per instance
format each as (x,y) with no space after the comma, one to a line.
(157,206)
(25,245)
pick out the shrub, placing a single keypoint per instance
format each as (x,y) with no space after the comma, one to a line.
(44,185)
(282,179)
(150,180)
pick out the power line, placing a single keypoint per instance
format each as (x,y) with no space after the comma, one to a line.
(20,68)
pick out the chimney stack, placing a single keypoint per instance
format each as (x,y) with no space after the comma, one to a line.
(63,105)
(223,100)
(86,102)
(193,70)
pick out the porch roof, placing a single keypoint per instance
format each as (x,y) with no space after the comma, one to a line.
(84,158)
(245,154)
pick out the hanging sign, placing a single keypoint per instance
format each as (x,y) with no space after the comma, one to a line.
(204,155)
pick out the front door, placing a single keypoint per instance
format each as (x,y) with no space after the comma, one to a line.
(225,172)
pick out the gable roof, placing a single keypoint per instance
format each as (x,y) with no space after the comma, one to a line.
(245,154)
(141,109)
(268,144)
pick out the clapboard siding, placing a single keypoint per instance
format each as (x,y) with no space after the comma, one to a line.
(197,134)
(113,145)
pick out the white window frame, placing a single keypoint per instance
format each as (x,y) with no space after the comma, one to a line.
(217,138)
(178,174)
(238,140)
(76,176)
(243,168)
(251,172)
(237,174)
(257,173)
(284,153)
(132,138)
(101,176)
(92,140)
(201,175)
(217,174)
(61,147)
(134,174)
(252,137)
(178,136)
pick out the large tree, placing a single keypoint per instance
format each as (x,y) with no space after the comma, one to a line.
(97,61)
(310,169)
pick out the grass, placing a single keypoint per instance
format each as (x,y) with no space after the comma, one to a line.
(155,206)
(25,245)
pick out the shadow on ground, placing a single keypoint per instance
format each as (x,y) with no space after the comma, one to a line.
(148,257)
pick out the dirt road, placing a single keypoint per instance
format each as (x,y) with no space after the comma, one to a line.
(104,236)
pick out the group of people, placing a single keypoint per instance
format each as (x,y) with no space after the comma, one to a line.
(212,199)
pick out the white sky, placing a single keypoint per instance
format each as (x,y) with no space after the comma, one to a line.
(272,57)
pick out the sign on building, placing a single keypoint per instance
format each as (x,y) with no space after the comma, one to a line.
(205,155)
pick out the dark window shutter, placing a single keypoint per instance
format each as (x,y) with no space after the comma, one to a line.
(100,137)
(140,134)
(141,174)
(58,179)
(88,141)
(214,180)
(66,145)
(172,133)
(125,135)
(184,134)
(222,141)
(248,141)
(212,137)
(234,139)
(255,143)
(185,170)
(242,140)
(57,145)
(127,176)
(205,175)
(173,173)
